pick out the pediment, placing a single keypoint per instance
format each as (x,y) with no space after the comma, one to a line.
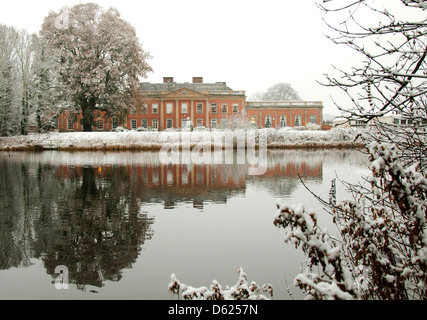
(184,93)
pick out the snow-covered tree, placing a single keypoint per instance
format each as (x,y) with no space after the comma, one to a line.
(278,92)
(25,62)
(48,99)
(101,59)
(380,251)
(27,75)
(8,114)
(236,121)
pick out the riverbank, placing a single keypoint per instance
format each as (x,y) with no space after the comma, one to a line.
(132,140)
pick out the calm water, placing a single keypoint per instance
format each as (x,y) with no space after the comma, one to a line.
(122,223)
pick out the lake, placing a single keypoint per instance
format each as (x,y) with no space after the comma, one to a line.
(122,222)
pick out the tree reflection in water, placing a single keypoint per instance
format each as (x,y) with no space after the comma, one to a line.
(91,221)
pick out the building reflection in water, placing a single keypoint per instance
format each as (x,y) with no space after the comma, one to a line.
(201,183)
(86,211)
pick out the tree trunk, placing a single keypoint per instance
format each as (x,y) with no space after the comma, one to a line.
(88,107)
(24,114)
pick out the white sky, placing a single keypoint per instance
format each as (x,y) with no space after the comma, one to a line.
(250,44)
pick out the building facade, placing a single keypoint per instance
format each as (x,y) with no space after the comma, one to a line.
(171,105)
(284,114)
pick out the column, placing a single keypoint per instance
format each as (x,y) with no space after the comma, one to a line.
(291,120)
(320,116)
(162,115)
(192,112)
(177,125)
(207,110)
(275,118)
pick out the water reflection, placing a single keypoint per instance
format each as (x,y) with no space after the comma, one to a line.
(199,184)
(86,210)
(92,225)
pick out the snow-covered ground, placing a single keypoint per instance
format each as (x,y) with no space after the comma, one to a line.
(133,140)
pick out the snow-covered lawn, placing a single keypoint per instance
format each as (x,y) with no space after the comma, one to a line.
(133,140)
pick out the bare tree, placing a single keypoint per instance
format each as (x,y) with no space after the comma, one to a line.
(278,92)
(381,249)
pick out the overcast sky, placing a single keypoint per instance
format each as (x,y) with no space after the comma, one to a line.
(249,44)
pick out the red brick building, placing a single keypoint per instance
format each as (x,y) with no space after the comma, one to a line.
(284,114)
(172,105)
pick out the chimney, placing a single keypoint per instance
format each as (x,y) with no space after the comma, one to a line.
(167,79)
(197,79)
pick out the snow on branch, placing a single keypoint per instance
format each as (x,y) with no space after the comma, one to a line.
(382,235)
(334,280)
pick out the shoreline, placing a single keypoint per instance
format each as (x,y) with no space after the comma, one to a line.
(155,141)
(307,146)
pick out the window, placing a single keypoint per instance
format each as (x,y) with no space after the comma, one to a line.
(144,123)
(115,123)
(155,123)
(283,123)
(133,124)
(70,123)
(184,108)
(268,121)
(214,176)
(235,108)
(169,177)
(169,123)
(184,123)
(185,175)
(199,108)
(298,120)
(100,125)
(155,177)
(199,122)
(133,111)
(144,109)
(253,121)
(199,177)
(224,108)
(214,123)
(214,108)
(155,108)
(169,108)
(313,119)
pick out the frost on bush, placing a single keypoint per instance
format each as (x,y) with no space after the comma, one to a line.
(312,126)
(242,290)
(334,280)
(382,233)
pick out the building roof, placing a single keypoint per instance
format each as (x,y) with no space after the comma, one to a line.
(170,87)
(283,104)
(217,88)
